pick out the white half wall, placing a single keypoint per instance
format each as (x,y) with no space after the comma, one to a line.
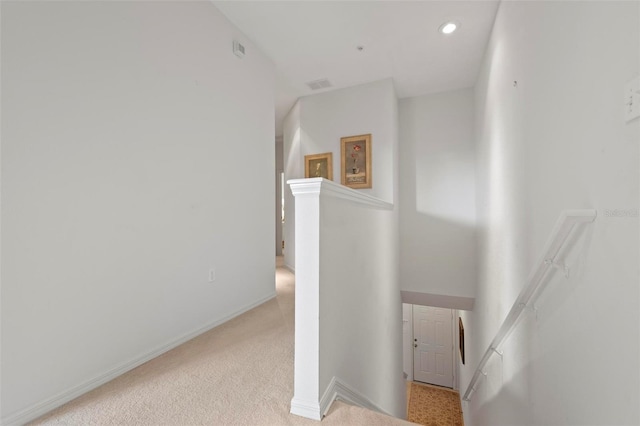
(348,307)
(315,125)
(552,136)
(437,199)
(360,304)
(129,170)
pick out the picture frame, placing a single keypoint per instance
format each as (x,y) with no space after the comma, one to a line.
(461,337)
(355,163)
(319,165)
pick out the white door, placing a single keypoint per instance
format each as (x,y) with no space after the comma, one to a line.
(433,345)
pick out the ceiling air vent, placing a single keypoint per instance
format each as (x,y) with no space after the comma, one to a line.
(319,84)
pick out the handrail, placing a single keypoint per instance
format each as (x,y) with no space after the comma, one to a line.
(559,235)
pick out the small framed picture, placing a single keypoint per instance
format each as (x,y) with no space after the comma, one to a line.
(319,165)
(356,161)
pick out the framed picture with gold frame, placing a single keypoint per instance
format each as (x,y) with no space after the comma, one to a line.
(356,161)
(319,165)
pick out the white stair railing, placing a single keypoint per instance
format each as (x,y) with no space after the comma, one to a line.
(565,224)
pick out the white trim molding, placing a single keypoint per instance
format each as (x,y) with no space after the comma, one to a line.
(338,390)
(325,187)
(438,300)
(309,409)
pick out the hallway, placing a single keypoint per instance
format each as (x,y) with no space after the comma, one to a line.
(240,373)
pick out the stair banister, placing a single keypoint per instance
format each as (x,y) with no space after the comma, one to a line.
(559,235)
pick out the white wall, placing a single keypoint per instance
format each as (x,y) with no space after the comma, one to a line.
(556,140)
(128,171)
(293,169)
(278,182)
(360,305)
(315,125)
(437,194)
(368,108)
(359,247)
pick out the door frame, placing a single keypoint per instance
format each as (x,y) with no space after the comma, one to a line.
(456,349)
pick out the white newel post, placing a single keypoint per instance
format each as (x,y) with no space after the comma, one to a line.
(306,393)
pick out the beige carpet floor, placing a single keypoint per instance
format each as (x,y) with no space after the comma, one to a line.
(434,406)
(240,373)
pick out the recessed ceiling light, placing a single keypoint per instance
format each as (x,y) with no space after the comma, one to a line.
(449,27)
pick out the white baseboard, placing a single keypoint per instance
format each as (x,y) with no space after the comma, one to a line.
(338,390)
(308,409)
(43,407)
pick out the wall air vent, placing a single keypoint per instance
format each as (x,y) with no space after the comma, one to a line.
(319,84)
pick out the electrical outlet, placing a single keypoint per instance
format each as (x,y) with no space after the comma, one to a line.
(212,275)
(632,99)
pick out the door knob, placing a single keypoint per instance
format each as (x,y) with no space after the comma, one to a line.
(415,345)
